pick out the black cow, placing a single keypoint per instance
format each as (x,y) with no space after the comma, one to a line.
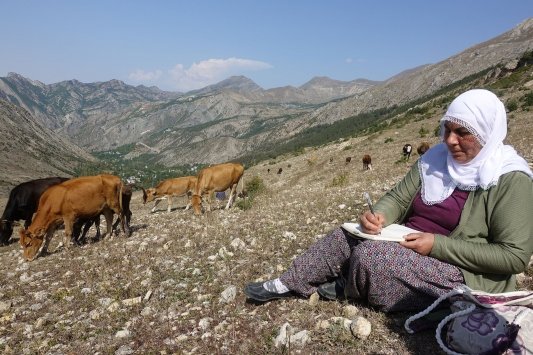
(79,236)
(22,204)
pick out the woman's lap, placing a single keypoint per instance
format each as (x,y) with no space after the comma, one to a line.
(385,274)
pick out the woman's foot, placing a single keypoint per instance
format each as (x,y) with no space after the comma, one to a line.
(267,291)
(333,291)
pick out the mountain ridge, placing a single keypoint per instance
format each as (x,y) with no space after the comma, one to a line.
(236,117)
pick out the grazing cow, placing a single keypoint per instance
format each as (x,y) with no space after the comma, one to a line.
(367,162)
(268,170)
(331,160)
(348,159)
(170,188)
(80,198)
(22,204)
(216,178)
(79,236)
(407,151)
(280,170)
(422,148)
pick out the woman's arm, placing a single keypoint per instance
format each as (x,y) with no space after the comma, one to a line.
(394,204)
(510,231)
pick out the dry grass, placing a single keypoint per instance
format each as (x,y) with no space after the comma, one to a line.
(71,301)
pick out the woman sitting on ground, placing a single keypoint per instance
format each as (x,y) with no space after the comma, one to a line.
(472,197)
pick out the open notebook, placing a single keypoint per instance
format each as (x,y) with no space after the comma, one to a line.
(393,232)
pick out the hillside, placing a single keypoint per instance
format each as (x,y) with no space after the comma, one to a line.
(29,151)
(235,119)
(161,290)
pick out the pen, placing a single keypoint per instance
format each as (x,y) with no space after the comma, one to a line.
(370,205)
(369,201)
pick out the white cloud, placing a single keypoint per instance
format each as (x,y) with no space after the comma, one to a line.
(199,74)
(349,60)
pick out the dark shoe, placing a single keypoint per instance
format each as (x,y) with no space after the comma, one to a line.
(333,291)
(256,292)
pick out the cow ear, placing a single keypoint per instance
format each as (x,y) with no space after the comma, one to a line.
(23,236)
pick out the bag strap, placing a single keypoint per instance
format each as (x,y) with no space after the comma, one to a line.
(455,291)
(441,325)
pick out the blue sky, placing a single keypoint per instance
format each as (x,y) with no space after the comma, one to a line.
(184,45)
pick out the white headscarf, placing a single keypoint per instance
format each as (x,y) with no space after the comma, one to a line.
(483,115)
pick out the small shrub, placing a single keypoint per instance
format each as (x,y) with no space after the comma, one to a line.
(252,188)
(512,105)
(389,140)
(340,180)
(436,131)
(527,100)
(348,147)
(422,132)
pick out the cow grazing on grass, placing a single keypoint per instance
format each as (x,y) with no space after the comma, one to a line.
(348,159)
(81,198)
(407,149)
(22,204)
(280,170)
(216,178)
(170,188)
(79,236)
(367,162)
(422,148)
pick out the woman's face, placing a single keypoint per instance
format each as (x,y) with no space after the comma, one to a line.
(462,144)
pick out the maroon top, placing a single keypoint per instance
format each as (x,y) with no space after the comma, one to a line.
(440,218)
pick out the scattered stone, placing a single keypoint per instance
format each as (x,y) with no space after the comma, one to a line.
(228,295)
(361,328)
(314,299)
(147,295)
(204,323)
(132,301)
(289,235)
(124,333)
(350,311)
(322,324)
(181,338)
(237,244)
(124,350)
(5,305)
(287,335)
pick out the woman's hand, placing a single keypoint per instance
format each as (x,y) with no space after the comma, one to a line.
(422,243)
(370,223)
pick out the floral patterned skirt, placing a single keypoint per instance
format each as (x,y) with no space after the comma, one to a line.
(384,274)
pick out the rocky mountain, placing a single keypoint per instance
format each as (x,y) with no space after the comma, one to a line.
(65,106)
(236,117)
(29,151)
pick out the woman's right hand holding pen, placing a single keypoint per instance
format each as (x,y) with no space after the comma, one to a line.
(372,223)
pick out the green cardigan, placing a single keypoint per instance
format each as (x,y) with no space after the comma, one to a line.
(494,238)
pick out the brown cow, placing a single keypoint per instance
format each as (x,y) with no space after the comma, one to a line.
(367,162)
(80,198)
(216,178)
(348,159)
(422,148)
(169,188)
